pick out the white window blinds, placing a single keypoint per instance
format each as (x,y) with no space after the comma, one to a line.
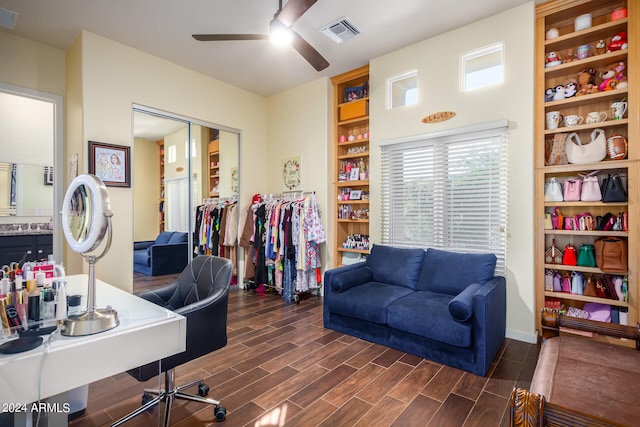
(177,195)
(447,192)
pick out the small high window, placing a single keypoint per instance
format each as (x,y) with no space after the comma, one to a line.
(171,154)
(482,67)
(402,89)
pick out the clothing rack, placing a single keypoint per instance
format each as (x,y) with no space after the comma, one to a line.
(287,195)
(214,201)
(284,260)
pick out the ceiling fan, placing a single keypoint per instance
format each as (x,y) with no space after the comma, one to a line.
(283,19)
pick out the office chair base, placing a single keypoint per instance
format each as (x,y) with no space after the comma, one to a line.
(162,395)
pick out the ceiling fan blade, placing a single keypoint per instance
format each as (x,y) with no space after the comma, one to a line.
(293,10)
(224,37)
(307,51)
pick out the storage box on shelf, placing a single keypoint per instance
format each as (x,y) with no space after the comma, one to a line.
(351,164)
(560,76)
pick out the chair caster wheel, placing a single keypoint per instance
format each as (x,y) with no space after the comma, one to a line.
(220,413)
(146,398)
(203,389)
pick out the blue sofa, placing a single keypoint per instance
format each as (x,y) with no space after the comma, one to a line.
(168,254)
(444,306)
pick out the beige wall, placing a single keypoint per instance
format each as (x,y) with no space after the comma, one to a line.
(299,125)
(437,62)
(113,78)
(146,189)
(32,65)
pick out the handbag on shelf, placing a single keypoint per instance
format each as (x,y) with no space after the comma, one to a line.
(593,152)
(557,219)
(553,191)
(611,255)
(570,223)
(590,191)
(586,256)
(558,153)
(577,283)
(548,280)
(570,256)
(553,255)
(612,189)
(590,287)
(548,223)
(572,189)
(566,283)
(557,282)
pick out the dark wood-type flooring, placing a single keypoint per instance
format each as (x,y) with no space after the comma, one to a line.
(281,366)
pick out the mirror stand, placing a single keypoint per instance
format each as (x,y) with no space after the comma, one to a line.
(94,320)
(86,221)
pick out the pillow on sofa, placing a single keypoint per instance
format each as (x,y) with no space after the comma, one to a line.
(163,237)
(348,279)
(396,266)
(450,273)
(461,307)
(178,237)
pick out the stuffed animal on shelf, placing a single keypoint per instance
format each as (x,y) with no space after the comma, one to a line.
(620,75)
(618,42)
(570,89)
(559,93)
(569,56)
(601,47)
(553,58)
(549,94)
(610,76)
(587,82)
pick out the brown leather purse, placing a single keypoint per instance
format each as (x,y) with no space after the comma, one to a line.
(611,255)
(590,289)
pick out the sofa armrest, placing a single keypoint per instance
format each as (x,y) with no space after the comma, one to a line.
(489,320)
(142,245)
(168,259)
(347,277)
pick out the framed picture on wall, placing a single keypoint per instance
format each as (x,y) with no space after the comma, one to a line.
(111,163)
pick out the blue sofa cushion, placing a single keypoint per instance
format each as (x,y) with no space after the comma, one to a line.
(367,302)
(461,306)
(426,314)
(396,266)
(451,272)
(141,257)
(178,237)
(163,237)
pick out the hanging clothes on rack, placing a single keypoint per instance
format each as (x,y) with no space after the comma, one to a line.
(287,233)
(216,229)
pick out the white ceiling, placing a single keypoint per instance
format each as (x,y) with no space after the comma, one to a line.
(164,27)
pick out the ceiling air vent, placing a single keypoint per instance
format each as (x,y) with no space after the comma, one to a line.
(340,30)
(8,18)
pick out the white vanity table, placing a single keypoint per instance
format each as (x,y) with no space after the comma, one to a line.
(146,333)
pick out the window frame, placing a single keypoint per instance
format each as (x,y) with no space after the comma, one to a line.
(498,47)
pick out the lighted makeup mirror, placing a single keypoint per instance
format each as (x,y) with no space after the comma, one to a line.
(86,221)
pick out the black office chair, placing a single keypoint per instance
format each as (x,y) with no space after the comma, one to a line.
(201,294)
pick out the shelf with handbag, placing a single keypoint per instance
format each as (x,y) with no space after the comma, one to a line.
(587,125)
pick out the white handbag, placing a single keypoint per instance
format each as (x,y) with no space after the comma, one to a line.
(593,152)
(553,191)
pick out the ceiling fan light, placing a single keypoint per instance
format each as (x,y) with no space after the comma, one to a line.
(280,34)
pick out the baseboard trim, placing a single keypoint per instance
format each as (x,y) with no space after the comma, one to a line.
(521,336)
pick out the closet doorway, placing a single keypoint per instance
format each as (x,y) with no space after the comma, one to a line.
(178,163)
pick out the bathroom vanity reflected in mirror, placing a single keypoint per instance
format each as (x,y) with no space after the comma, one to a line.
(26,190)
(31,187)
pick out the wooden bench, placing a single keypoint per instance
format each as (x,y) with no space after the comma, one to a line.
(581,382)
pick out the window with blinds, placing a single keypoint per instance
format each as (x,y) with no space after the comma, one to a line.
(177,197)
(447,192)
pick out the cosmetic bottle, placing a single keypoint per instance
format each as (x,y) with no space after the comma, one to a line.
(48,307)
(21,308)
(74,304)
(33,302)
(61,303)
(5,287)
